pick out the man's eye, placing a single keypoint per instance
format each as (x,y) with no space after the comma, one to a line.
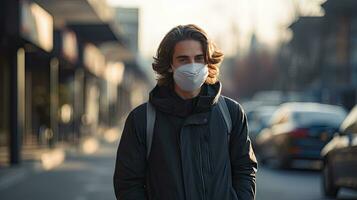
(200,59)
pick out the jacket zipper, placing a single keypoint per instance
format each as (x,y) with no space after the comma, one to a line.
(202,176)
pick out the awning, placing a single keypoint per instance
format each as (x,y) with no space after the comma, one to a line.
(96,33)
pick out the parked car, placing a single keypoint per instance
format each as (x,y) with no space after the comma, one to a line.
(340,158)
(298,131)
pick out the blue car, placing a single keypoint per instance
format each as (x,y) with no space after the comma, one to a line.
(298,132)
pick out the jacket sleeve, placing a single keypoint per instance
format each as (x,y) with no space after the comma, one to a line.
(243,161)
(130,167)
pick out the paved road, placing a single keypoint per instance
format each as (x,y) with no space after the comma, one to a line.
(297,184)
(84,177)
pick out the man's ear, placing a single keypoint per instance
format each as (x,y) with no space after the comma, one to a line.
(170,69)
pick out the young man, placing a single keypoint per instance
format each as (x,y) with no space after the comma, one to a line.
(193,153)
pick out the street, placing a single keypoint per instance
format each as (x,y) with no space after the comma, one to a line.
(74,73)
(80,177)
(294,184)
(89,177)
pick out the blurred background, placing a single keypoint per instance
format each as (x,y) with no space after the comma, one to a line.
(72,70)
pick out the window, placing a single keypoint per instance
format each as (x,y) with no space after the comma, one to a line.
(4,111)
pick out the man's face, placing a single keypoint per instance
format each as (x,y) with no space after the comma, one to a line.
(187,52)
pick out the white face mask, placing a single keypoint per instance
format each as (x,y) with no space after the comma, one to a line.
(191,76)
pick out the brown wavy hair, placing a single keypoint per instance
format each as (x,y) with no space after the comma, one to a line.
(164,55)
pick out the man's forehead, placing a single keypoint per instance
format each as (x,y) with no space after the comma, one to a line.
(188,48)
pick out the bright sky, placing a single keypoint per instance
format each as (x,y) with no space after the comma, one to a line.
(228,22)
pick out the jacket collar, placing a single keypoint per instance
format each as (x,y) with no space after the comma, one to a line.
(166,100)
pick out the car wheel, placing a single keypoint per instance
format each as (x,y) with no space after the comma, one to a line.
(329,187)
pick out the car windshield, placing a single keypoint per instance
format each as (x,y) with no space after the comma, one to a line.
(322,118)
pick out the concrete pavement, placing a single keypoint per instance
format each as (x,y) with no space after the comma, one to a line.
(80,177)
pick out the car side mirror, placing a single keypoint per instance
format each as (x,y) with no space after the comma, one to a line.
(350,138)
(340,133)
(349,135)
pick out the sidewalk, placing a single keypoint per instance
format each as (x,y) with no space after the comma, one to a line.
(80,177)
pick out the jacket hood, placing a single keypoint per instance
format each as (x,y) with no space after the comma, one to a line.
(165,99)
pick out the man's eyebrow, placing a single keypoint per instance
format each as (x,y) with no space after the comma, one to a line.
(182,56)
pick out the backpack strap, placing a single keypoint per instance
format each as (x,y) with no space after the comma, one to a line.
(151,115)
(226,115)
(150,122)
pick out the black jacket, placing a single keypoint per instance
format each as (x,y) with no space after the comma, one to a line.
(190,156)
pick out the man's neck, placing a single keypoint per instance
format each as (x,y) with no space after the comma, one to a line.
(186,95)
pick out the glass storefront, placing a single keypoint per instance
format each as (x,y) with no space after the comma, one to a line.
(4,112)
(66,107)
(36,31)
(37,95)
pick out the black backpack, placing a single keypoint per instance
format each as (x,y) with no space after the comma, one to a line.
(151,115)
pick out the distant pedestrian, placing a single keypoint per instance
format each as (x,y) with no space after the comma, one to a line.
(188,141)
